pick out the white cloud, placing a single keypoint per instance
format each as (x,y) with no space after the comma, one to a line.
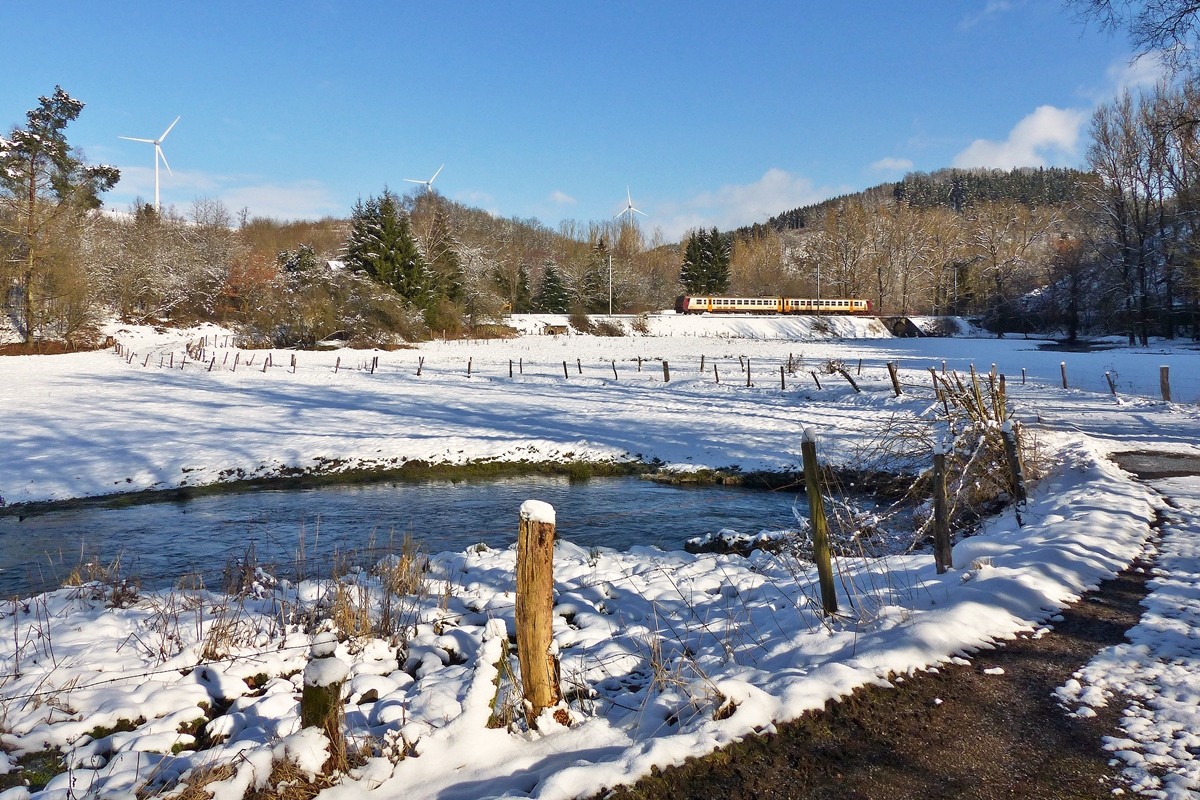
(300,200)
(890,164)
(562,198)
(1047,136)
(735,205)
(993,7)
(1144,72)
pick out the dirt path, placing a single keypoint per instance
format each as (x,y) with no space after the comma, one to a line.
(991,736)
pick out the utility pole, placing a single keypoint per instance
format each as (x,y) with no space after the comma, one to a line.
(610,284)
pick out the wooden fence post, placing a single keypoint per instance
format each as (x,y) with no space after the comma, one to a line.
(510,368)
(1016,474)
(1164,382)
(321,699)
(238,357)
(666,372)
(849,380)
(293,363)
(614,366)
(820,527)
(420,365)
(1063,367)
(891,365)
(782,384)
(1022,376)
(701,363)
(213,364)
(716,375)
(337,365)
(860,366)
(1112,387)
(535,608)
(579,366)
(942,550)
(747,373)
(566,375)
(815,378)
(639,363)
(520,366)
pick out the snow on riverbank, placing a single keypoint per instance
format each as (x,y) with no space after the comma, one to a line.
(655,644)
(96,423)
(1158,672)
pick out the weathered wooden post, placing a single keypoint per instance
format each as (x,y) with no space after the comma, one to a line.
(420,364)
(535,608)
(236,358)
(639,363)
(1112,387)
(782,384)
(265,363)
(1063,367)
(943,366)
(701,363)
(213,364)
(172,366)
(666,372)
(1022,376)
(1164,382)
(747,373)
(891,365)
(614,366)
(815,378)
(716,375)
(146,360)
(1001,400)
(566,375)
(510,368)
(1016,474)
(820,527)
(849,380)
(521,366)
(942,550)
(579,365)
(321,700)
(860,366)
(337,365)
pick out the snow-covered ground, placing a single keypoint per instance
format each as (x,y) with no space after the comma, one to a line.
(672,654)
(95,423)
(1158,672)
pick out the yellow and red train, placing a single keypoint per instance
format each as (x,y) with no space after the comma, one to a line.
(770,305)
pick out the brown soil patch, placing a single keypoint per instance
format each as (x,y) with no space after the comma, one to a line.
(992,736)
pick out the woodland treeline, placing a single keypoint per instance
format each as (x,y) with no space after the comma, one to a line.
(1107,250)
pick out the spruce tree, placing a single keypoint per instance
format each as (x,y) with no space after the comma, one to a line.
(43,183)
(381,244)
(693,275)
(552,297)
(705,268)
(721,252)
(441,255)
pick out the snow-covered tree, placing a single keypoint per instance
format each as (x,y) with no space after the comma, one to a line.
(381,244)
(552,296)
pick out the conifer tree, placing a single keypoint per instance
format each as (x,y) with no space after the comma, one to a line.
(441,256)
(552,297)
(705,268)
(44,185)
(381,244)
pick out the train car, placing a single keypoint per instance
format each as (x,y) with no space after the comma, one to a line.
(770,305)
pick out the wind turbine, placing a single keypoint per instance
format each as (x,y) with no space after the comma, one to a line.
(629,209)
(158,153)
(428,183)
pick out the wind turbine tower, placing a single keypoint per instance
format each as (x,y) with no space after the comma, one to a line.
(630,210)
(158,153)
(428,183)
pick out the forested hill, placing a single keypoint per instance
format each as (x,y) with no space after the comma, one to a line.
(951,188)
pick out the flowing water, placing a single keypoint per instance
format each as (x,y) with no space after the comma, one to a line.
(159,542)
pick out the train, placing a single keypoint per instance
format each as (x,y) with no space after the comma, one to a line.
(770,305)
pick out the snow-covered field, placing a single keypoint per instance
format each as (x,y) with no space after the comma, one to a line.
(672,654)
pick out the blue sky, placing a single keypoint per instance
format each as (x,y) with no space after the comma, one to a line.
(712,113)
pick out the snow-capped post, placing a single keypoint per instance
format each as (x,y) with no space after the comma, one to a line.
(943,366)
(666,372)
(891,365)
(1022,376)
(321,701)
(1001,400)
(942,554)
(1062,365)
(1112,387)
(1164,382)
(535,608)
(816,515)
(1016,473)
(815,378)
(566,375)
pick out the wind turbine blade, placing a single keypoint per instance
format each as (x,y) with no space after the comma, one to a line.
(130,138)
(168,130)
(412,180)
(643,213)
(618,216)
(439,172)
(163,156)
(628,197)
